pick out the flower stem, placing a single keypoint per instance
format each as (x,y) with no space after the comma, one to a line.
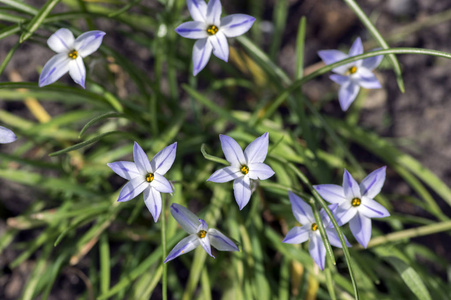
(163,245)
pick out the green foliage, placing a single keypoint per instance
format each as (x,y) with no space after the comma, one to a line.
(74,214)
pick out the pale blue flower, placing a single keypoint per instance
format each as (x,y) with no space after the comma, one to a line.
(310,231)
(245,167)
(6,135)
(355,202)
(211,31)
(353,75)
(70,54)
(146,177)
(200,234)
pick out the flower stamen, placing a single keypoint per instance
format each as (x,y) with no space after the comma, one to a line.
(314,227)
(244,169)
(351,70)
(73,54)
(212,29)
(202,234)
(150,177)
(356,202)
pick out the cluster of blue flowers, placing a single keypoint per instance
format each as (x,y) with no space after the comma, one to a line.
(350,202)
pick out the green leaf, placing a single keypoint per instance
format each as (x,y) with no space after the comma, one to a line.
(37,20)
(87,143)
(300,42)
(410,277)
(21,6)
(97,119)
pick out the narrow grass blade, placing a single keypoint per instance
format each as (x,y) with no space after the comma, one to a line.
(375,33)
(97,119)
(87,143)
(37,20)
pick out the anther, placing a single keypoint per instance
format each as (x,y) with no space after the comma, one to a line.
(202,234)
(212,29)
(149,177)
(352,70)
(244,169)
(314,227)
(73,54)
(356,202)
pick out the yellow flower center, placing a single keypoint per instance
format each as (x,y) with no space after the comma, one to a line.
(351,70)
(356,202)
(149,177)
(73,54)
(212,29)
(314,227)
(244,169)
(202,234)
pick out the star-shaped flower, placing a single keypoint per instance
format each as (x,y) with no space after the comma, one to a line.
(355,203)
(244,167)
(70,54)
(6,135)
(354,75)
(146,177)
(310,231)
(199,234)
(211,31)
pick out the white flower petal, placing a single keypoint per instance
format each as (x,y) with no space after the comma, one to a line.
(197,9)
(232,151)
(125,169)
(317,250)
(189,221)
(77,71)
(340,79)
(203,226)
(235,25)
(61,41)
(132,189)
(214,10)
(356,48)
(220,46)
(347,94)
(225,174)
(56,67)
(88,42)
(361,229)
(331,192)
(192,30)
(256,151)
(331,56)
(163,160)
(220,241)
(369,82)
(161,184)
(205,243)
(297,235)
(242,191)
(184,246)
(6,135)
(350,186)
(260,171)
(301,210)
(344,213)
(201,55)
(372,209)
(152,199)
(334,240)
(141,160)
(372,184)
(371,63)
